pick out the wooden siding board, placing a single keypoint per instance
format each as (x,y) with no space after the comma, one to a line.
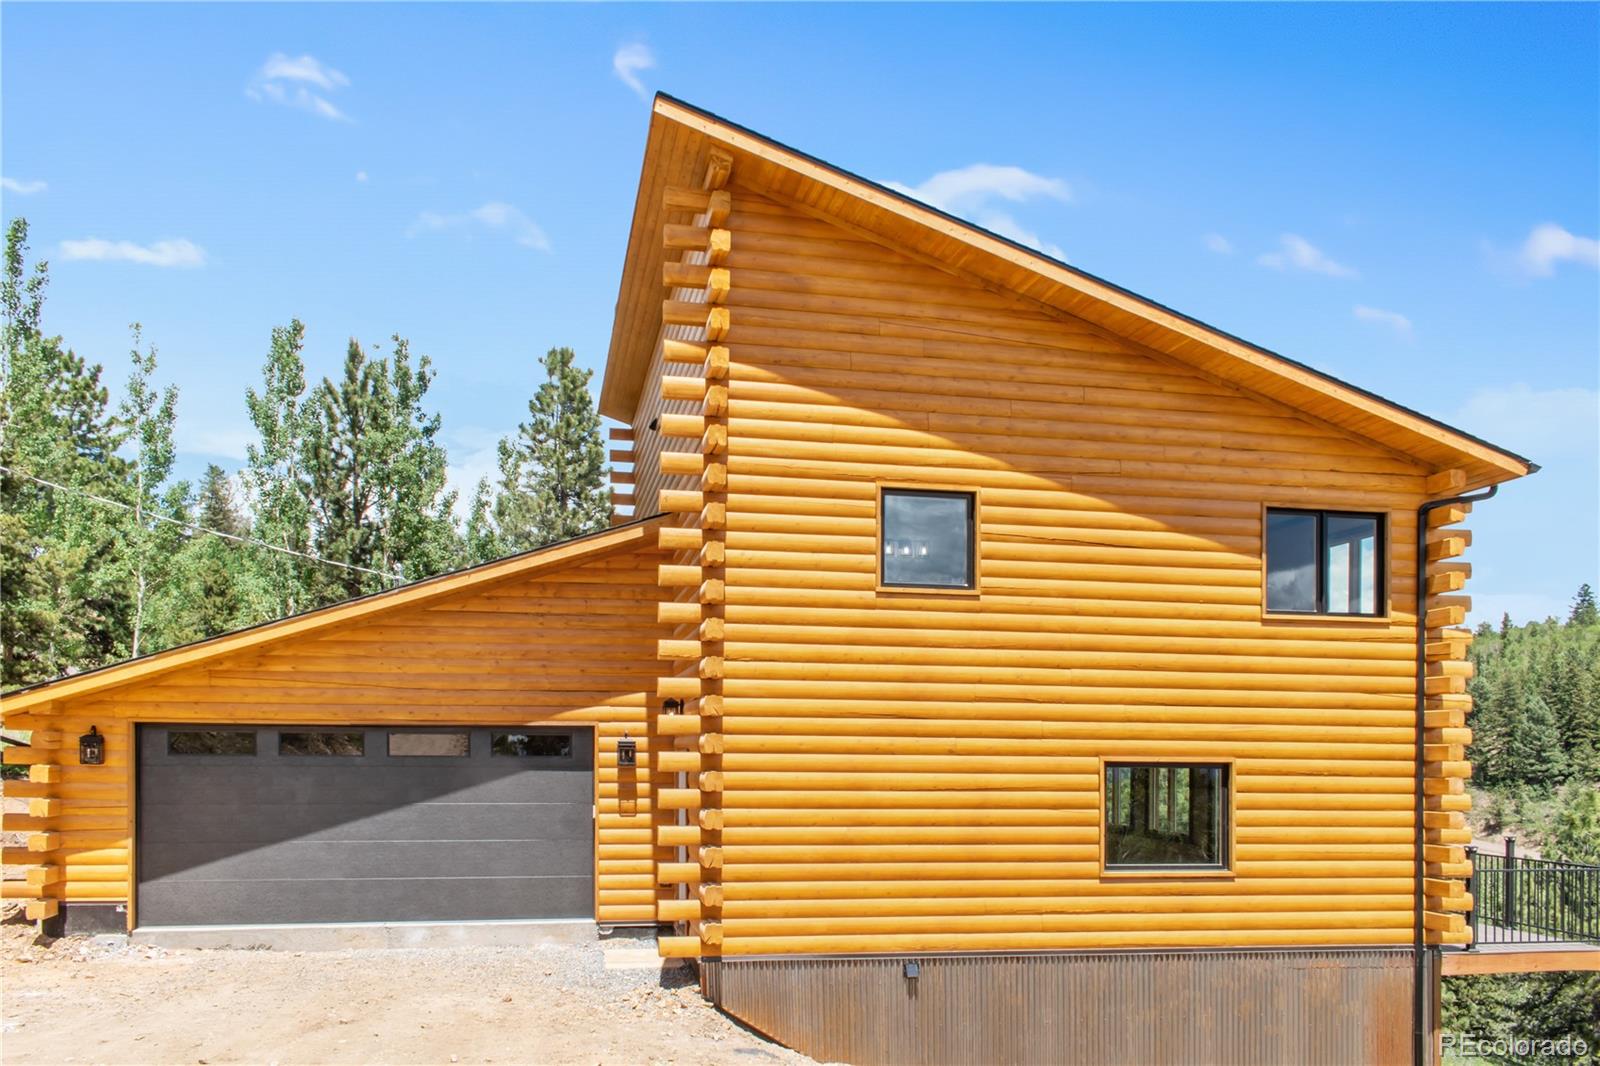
(559,650)
(893,761)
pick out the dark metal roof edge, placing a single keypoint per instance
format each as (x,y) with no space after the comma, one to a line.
(119,664)
(1035,253)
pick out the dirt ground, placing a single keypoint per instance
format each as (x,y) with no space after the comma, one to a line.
(78,1000)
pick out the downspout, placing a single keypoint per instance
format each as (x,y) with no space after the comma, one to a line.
(1422,1044)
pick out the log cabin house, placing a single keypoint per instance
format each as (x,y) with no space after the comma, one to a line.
(986,664)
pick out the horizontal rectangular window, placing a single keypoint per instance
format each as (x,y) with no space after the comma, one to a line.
(928,539)
(1166,815)
(210,742)
(1324,562)
(533,745)
(322,743)
(430,744)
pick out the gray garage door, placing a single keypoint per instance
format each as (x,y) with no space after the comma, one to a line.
(258,824)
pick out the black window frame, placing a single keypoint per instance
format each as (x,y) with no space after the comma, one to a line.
(1380,557)
(1224,807)
(971,498)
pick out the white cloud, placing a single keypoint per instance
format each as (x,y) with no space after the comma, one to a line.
(361,176)
(1216,242)
(628,61)
(1393,319)
(971,191)
(291,81)
(493,216)
(22,188)
(1549,244)
(1538,423)
(1297,253)
(971,187)
(475,454)
(171,253)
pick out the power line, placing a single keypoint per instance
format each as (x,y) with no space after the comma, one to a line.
(201,529)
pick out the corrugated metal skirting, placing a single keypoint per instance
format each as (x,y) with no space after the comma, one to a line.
(1236,1007)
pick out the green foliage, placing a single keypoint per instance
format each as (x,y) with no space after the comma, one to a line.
(1584,612)
(103,556)
(213,585)
(1536,702)
(1536,729)
(1575,834)
(64,607)
(276,478)
(148,416)
(1546,1006)
(552,474)
(377,475)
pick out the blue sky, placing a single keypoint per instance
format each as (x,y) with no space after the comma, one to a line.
(1405,196)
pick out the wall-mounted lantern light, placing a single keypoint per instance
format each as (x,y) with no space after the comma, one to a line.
(672,706)
(92,748)
(627,751)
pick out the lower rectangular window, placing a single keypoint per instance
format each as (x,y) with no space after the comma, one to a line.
(1162,816)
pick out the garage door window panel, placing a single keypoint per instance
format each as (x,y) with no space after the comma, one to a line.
(210,742)
(344,745)
(430,745)
(533,745)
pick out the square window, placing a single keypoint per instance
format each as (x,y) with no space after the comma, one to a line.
(927,539)
(1324,562)
(1166,816)
(345,744)
(430,745)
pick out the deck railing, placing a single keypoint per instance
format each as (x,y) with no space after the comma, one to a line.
(1518,900)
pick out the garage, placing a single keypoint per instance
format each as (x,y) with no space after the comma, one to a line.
(248,825)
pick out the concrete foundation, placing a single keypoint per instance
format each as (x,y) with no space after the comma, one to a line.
(368,935)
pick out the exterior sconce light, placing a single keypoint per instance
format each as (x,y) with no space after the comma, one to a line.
(672,706)
(912,970)
(92,748)
(627,752)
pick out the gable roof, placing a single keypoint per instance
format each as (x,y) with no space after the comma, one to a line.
(558,556)
(682,137)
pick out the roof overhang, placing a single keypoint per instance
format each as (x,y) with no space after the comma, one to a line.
(633,536)
(680,142)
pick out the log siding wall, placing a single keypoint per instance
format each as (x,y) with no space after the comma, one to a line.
(574,646)
(908,772)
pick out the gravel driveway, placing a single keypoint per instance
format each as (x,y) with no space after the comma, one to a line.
(78,1000)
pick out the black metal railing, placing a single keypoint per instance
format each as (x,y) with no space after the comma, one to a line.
(1518,900)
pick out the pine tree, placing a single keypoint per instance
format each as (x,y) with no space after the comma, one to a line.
(1584,611)
(211,588)
(377,474)
(1533,752)
(276,478)
(62,608)
(552,474)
